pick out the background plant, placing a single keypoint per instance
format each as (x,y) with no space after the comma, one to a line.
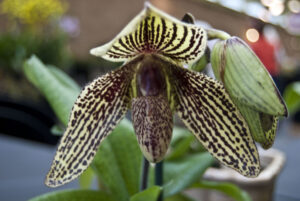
(33,14)
(33,28)
(292,97)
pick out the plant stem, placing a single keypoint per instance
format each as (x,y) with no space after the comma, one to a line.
(144,177)
(217,34)
(159,178)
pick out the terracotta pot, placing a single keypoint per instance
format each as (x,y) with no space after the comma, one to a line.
(260,188)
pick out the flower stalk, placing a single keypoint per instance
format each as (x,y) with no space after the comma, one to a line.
(217,34)
(159,178)
(145,173)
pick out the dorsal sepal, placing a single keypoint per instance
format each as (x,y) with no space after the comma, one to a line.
(153,31)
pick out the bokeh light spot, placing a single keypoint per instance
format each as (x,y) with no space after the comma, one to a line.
(252,35)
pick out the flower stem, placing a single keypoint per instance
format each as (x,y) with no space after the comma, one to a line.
(144,177)
(217,34)
(159,178)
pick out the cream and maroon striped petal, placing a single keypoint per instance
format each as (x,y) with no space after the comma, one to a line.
(153,31)
(97,110)
(153,123)
(207,110)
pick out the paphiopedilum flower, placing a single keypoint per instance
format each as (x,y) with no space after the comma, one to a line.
(154,84)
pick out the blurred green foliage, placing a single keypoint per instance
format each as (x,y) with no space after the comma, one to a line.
(224,187)
(16,47)
(61,94)
(32,28)
(34,14)
(292,97)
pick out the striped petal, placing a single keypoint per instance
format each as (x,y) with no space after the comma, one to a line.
(153,123)
(97,110)
(153,31)
(208,112)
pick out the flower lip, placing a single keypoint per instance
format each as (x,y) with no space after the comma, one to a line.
(153,122)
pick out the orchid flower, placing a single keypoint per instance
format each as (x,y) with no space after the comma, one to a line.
(154,84)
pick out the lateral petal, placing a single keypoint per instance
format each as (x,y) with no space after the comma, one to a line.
(207,110)
(98,109)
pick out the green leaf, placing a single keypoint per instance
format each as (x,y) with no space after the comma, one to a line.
(180,144)
(181,148)
(75,195)
(118,162)
(86,178)
(178,197)
(179,133)
(180,174)
(292,97)
(229,189)
(63,78)
(150,194)
(60,97)
(57,130)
